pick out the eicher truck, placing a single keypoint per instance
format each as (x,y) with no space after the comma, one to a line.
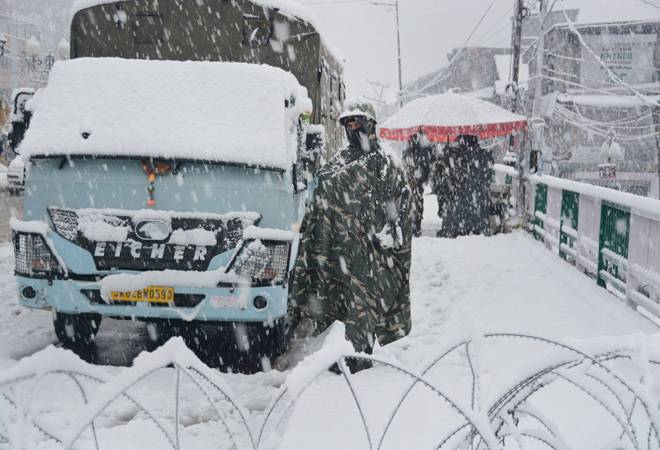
(169,190)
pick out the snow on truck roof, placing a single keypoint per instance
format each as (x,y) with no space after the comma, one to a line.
(225,112)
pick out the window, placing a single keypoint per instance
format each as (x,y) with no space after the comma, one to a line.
(256,30)
(147,28)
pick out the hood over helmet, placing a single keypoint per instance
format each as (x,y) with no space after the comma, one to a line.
(357,107)
(364,137)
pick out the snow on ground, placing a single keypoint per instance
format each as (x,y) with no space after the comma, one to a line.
(460,288)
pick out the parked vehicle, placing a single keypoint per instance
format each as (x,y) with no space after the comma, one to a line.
(19,119)
(16,172)
(175,201)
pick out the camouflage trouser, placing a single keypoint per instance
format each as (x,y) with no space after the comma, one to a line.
(363,316)
(397,322)
(417,212)
(359,317)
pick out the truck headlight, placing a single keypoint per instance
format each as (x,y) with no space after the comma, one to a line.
(33,256)
(65,222)
(262,261)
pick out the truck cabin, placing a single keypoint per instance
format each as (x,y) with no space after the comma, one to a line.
(182,182)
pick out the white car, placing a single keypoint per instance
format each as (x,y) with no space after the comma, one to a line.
(16,175)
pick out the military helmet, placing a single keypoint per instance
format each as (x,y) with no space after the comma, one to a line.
(357,107)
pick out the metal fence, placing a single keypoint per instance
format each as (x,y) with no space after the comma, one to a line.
(603,377)
(610,235)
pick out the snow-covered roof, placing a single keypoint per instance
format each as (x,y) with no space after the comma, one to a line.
(228,112)
(485,93)
(610,101)
(594,11)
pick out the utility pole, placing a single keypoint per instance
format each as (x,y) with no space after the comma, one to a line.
(398,47)
(517,37)
(395,4)
(379,89)
(540,59)
(520,12)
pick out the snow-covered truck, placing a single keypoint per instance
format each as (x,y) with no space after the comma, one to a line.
(280,33)
(163,191)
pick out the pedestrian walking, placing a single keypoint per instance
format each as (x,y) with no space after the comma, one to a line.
(418,159)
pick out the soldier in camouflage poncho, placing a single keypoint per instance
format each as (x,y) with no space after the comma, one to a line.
(354,258)
(419,160)
(462,175)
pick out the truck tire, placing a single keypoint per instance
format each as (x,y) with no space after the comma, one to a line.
(76,331)
(270,340)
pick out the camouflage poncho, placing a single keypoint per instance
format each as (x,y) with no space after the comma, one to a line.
(354,257)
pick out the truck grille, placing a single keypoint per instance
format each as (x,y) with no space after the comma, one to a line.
(111,237)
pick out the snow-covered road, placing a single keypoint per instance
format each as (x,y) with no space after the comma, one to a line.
(461,287)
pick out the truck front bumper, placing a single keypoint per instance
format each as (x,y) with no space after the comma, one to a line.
(219,304)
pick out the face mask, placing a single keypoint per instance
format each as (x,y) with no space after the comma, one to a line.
(358,138)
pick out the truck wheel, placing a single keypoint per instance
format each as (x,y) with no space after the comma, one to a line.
(160,331)
(76,331)
(270,340)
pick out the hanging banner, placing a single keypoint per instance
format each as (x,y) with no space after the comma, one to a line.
(629,56)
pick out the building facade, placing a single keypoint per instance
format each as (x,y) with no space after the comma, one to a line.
(600,82)
(21,64)
(470,69)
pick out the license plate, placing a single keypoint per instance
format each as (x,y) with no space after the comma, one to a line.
(151,294)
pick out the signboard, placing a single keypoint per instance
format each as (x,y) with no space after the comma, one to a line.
(607,171)
(629,56)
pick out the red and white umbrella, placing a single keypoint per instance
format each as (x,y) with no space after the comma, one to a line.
(444,117)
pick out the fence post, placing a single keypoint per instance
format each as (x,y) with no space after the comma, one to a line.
(540,205)
(614,235)
(570,214)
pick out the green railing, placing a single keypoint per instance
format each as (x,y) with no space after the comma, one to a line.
(540,209)
(612,236)
(570,218)
(613,241)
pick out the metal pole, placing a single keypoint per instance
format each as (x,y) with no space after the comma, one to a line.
(515,78)
(540,46)
(656,121)
(398,44)
(517,37)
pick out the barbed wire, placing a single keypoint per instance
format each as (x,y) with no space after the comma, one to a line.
(508,416)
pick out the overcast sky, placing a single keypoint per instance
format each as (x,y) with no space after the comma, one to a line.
(366,34)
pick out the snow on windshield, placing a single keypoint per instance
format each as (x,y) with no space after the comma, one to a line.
(228,112)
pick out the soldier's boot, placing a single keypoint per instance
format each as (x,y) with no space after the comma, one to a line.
(357,364)
(305,329)
(354,365)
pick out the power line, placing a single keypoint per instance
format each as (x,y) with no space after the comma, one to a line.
(474,30)
(443,73)
(496,23)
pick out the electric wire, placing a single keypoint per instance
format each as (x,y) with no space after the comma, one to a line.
(442,73)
